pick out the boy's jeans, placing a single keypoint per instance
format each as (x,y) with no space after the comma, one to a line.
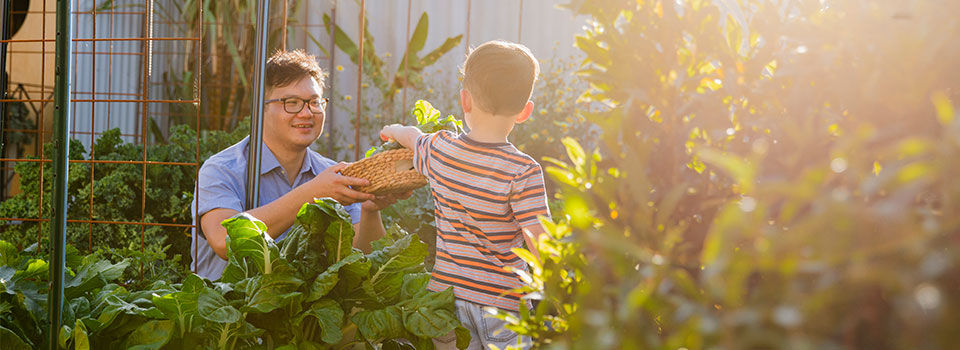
(483,330)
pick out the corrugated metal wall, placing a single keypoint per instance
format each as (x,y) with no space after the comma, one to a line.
(108,70)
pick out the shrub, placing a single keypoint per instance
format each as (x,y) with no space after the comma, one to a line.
(771,175)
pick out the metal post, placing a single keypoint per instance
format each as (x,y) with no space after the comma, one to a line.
(333,79)
(256,113)
(4,35)
(363,19)
(61,121)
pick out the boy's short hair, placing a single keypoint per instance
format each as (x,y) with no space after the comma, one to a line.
(286,67)
(500,76)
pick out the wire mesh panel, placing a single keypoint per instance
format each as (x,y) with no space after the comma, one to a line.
(133,143)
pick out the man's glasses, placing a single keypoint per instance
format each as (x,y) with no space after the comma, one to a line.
(294,105)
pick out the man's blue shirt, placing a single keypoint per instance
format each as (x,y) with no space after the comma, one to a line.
(222,184)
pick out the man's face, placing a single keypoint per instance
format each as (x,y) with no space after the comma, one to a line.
(288,130)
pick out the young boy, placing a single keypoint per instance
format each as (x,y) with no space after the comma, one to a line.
(487,193)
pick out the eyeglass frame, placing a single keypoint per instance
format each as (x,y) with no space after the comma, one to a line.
(323,104)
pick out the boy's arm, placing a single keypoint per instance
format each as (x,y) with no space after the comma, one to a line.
(405,135)
(531,235)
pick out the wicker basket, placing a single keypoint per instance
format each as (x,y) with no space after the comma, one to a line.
(388,172)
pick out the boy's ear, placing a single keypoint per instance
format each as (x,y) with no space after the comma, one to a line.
(466,101)
(525,113)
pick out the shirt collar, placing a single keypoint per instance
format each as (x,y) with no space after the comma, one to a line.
(268,162)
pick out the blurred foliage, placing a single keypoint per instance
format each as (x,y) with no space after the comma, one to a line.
(772,174)
(118,194)
(557,113)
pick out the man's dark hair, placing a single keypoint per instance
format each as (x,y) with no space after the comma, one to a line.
(286,67)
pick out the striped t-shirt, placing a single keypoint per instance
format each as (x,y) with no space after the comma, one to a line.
(484,194)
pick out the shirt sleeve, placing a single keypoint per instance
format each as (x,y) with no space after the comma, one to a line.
(421,152)
(354,211)
(528,197)
(218,188)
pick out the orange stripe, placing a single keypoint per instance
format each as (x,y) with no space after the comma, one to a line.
(475,169)
(471,263)
(481,249)
(452,280)
(488,150)
(472,214)
(442,181)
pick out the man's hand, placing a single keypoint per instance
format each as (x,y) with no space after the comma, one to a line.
(329,183)
(382,202)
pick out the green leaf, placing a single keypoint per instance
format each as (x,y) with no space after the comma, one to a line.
(435,55)
(378,325)
(80,340)
(463,337)
(328,221)
(249,245)
(181,306)
(35,268)
(12,341)
(269,292)
(738,169)
(353,274)
(418,39)
(153,334)
(389,264)
(92,276)
(325,281)
(213,307)
(329,317)
(430,316)
(9,255)
(945,111)
(414,285)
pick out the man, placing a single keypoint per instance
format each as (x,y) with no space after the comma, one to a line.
(291,174)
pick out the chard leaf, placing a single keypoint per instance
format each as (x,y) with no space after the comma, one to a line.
(7,285)
(352,275)
(414,285)
(406,253)
(379,325)
(325,281)
(248,241)
(389,266)
(92,276)
(269,292)
(329,317)
(153,334)
(12,341)
(80,340)
(329,220)
(213,307)
(305,248)
(182,306)
(35,268)
(430,316)
(463,337)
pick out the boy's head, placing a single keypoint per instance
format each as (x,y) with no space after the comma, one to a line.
(499,76)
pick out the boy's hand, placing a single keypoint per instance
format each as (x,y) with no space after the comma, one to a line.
(404,135)
(388,132)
